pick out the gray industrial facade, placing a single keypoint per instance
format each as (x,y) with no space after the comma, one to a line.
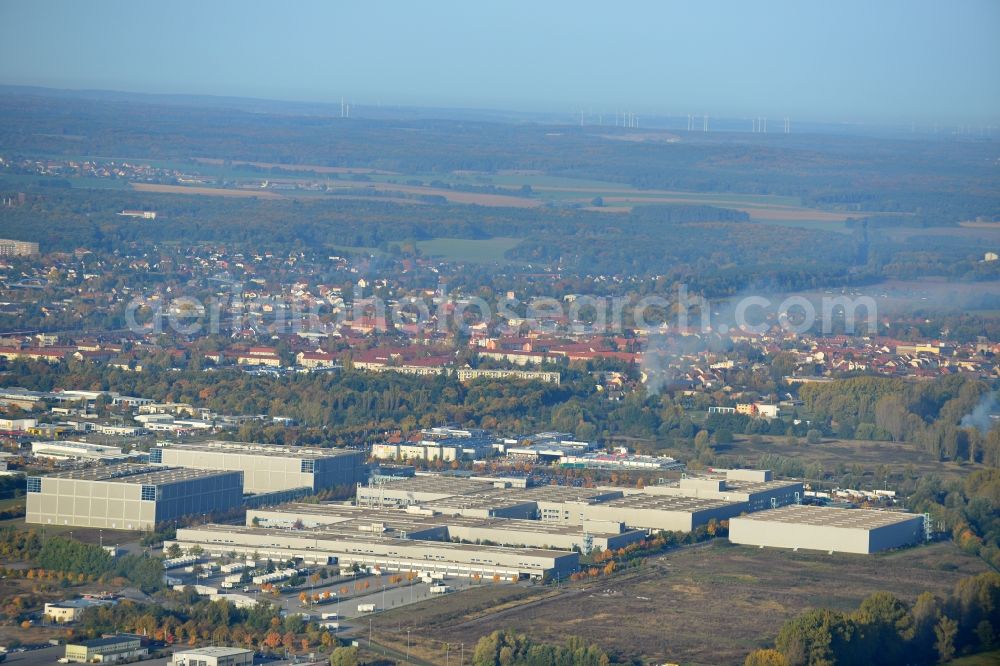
(420,489)
(566,505)
(754,487)
(129,497)
(459,527)
(347,547)
(828,529)
(431,525)
(670,514)
(269,468)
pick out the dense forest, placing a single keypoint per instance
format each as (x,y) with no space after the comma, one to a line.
(968,508)
(88,562)
(927,413)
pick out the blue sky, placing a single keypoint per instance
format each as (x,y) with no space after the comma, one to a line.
(844,60)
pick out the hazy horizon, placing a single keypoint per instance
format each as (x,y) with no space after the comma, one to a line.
(896,62)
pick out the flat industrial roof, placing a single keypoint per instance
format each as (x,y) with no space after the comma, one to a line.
(668,503)
(758,486)
(563,493)
(493,501)
(397,519)
(249,449)
(73,444)
(330,533)
(797,514)
(108,640)
(131,473)
(213,651)
(466,493)
(78,603)
(343,517)
(436,484)
(535,526)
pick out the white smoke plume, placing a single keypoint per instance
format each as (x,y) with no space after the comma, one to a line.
(979,417)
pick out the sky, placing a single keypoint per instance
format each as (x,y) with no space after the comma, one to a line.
(842,61)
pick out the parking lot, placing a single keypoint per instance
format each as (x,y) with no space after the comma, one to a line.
(380,593)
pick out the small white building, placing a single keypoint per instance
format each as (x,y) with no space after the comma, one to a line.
(69,610)
(212,656)
(142,214)
(17,424)
(72,450)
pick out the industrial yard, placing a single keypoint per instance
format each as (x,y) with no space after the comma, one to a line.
(425,563)
(489,543)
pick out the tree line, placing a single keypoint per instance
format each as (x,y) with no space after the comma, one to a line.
(506,648)
(68,556)
(968,508)
(927,413)
(887,630)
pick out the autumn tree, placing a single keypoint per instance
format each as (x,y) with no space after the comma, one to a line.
(766,657)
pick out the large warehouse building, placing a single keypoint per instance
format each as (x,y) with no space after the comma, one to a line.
(373,548)
(420,489)
(757,488)
(129,497)
(829,529)
(485,526)
(429,524)
(267,469)
(557,504)
(671,514)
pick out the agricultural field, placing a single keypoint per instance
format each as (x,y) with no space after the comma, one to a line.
(676,602)
(314,168)
(211,191)
(474,251)
(452,196)
(547,189)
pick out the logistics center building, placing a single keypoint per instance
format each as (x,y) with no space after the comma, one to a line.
(268,469)
(346,547)
(551,504)
(829,529)
(429,524)
(757,488)
(129,496)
